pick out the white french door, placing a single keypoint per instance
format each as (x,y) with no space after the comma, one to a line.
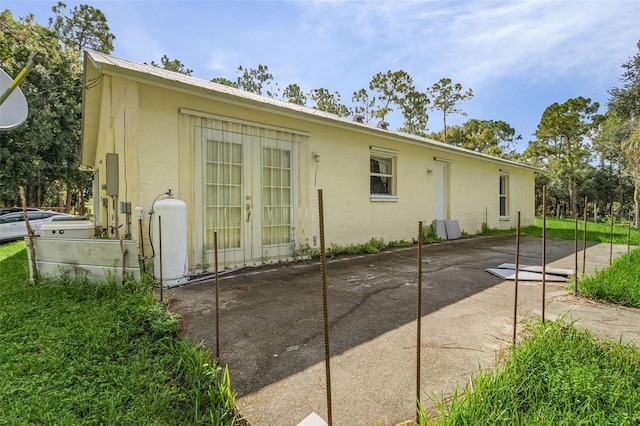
(249,186)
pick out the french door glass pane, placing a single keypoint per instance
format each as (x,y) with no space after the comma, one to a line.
(223,189)
(276,196)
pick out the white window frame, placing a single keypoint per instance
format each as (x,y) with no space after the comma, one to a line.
(503,196)
(390,157)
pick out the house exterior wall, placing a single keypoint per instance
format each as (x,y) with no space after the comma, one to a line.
(152,129)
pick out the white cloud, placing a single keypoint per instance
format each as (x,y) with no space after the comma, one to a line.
(481,41)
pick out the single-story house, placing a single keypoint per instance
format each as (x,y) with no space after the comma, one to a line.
(250,167)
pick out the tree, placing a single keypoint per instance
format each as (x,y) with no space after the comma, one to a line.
(414,111)
(490,137)
(445,97)
(294,94)
(631,148)
(172,65)
(624,104)
(364,104)
(608,142)
(17,155)
(224,81)
(86,27)
(611,133)
(43,154)
(561,142)
(328,102)
(254,80)
(625,100)
(392,87)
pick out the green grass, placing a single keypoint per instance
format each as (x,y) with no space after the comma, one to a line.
(564,229)
(74,352)
(620,283)
(557,376)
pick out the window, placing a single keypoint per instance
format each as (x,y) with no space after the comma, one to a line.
(382,176)
(504,196)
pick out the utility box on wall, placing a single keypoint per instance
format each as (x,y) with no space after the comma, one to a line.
(112,175)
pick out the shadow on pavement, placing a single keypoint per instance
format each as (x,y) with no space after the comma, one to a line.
(271,322)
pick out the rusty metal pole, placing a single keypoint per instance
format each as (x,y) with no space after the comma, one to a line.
(323,271)
(515,295)
(575,266)
(419,322)
(544,247)
(160,249)
(215,261)
(584,240)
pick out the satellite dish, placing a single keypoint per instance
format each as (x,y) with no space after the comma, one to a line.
(14,109)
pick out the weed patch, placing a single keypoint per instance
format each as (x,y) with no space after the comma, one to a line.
(620,283)
(557,375)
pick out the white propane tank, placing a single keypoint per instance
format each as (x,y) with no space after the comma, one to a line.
(171,214)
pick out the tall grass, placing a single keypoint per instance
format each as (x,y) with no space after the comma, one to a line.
(81,353)
(620,283)
(558,375)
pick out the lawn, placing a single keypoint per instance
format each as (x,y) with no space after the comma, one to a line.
(565,229)
(73,352)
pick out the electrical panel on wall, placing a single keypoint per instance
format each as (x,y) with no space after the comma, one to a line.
(112,175)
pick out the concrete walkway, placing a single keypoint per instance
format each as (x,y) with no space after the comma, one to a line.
(271,326)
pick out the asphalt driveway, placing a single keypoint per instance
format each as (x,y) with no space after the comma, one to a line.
(271,329)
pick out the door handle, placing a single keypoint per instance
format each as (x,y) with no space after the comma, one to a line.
(248,207)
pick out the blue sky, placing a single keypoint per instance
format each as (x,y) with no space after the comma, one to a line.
(518,56)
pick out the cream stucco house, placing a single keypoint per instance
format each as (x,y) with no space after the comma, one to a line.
(250,167)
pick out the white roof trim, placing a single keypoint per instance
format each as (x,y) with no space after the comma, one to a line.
(112,65)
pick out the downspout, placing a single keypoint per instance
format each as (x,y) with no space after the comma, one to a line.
(112,148)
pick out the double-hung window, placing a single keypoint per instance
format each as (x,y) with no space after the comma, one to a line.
(382,174)
(504,196)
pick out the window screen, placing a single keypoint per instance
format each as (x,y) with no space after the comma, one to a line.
(381,175)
